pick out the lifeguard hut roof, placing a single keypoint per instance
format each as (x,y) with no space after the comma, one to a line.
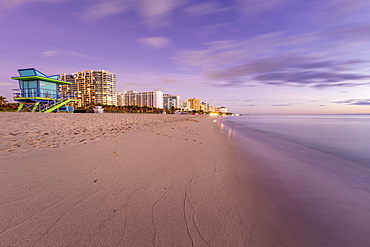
(34,74)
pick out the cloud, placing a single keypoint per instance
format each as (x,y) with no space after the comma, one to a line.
(233,82)
(155,8)
(341,11)
(156,12)
(63,52)
(253,7)
(310,77)
(137,85)
(364,102)
(103,8)
(282,105)
(354,102)
(151,12)
(49,53)
(361,32)
(11,4)
(155,42)
(317,59)
(290,70)
(6,84)
(204,9)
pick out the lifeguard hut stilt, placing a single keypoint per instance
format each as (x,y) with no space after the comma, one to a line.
(39,93)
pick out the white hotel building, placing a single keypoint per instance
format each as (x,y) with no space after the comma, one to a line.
(150,99)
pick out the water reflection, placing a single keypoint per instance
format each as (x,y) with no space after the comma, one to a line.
(312,172)
(226,129)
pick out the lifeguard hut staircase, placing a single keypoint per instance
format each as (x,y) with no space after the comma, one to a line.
(39,93)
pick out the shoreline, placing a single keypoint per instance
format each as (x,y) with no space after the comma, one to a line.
(302,196)
(166,183)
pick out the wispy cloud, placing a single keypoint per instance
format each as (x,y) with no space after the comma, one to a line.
(282,105)
(98,9)
(157,13)
(354,102)
(155,42)
(63,52)
(51,53)
(11,4)
(6,84)
(136,85)
(252,7)
(282,59)
(204,9)
(156,8)
(151,12)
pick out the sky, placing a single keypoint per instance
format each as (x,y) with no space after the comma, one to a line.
(251,56)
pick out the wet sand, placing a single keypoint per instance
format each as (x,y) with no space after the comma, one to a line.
(300,196)
(119,180)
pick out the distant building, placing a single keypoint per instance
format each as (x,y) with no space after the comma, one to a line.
(91,87)
(221,109)
(171,101)
(184,105)
(134,98)
(204,106)
(126,98)
(212,108)
(194,104)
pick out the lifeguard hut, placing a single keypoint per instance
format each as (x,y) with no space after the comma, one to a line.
(39,93)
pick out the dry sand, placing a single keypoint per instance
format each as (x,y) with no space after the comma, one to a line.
(118,180)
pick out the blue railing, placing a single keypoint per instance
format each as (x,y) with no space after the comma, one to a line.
(33,93)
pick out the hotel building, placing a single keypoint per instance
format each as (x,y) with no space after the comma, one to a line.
(171,101)
(150,99)
(204,106)
(184,105)
(91,87)
(194,104)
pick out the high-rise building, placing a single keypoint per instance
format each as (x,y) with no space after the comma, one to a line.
(150,99)
(170,101)
(126,98)
(91,87)
(194,104)
(204,106)
(184,105)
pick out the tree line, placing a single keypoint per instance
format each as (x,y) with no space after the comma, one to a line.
(6,106)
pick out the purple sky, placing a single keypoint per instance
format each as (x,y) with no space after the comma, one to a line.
(277,56)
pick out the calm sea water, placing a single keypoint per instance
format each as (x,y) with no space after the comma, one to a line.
(347,136)
(314,171)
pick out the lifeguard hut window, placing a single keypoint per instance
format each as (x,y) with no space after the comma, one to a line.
(27,72)
(28,88)
(30,72)
(48,89)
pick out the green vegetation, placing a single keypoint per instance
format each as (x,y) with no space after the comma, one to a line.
(132,109)
(6,106)
(128,109)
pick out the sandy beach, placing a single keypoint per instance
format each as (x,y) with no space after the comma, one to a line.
(118,180)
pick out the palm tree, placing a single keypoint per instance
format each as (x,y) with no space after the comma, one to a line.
(3,101)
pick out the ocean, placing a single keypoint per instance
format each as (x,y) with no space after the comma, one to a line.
(312,175)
